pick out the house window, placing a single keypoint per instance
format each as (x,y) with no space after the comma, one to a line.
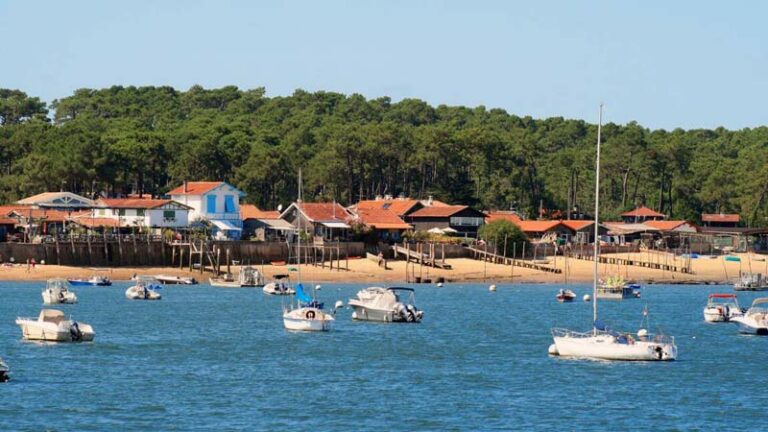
(102,212)
(121,212)
(169,215)
(229,204)
(139,212)
(466,221)
(211,207)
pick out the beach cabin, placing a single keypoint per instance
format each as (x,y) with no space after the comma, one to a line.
(641,214)
(264,225)
(454,219)
(215,202)
(34,222)
(387,225)
(720,220)
(583,231)
(324,221)
(536,229)
(138,212)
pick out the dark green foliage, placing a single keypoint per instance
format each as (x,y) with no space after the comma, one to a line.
(495,233)
(150,139)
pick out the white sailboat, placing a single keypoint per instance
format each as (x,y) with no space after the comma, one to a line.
(307,314)
(602,343)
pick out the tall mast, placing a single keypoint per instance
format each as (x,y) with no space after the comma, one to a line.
(596,248)
(298,224)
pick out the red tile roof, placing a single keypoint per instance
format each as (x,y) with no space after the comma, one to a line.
(195,188)
(250,211)
(401,206)
(49,215)
(577,225)
(7,221)
(537,225)
(642,211)
(7,209)
(667,225)
(133,203)
(324,212)
(502,215)
(381,219)
(733,218)
(438,211)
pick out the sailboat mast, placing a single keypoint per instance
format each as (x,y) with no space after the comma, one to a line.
(596,248)
(298,240)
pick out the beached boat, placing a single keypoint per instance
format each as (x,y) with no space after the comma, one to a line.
(306,314)
(4,371)
(385,305)
(94,280)
(751,282)
(614,288)
(247,277)
(56,292)
(280,286)
(602,343)
(52,326)
(565,295)
(145,289)
(755,320)
(176,280)
(722,308)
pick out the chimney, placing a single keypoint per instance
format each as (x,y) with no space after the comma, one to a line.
(185,187)
(429,200)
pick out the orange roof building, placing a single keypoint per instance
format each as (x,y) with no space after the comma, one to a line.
(250,211)
(382,219)
(196,188)
(400,206)
(502,215)
(641,214)
(672,225)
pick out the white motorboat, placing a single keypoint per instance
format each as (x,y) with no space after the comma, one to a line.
(175,280)
(755,321)
(52,326)
(614,288)
(247,277)
(385,305)
(565,295)
(280,286)
(56,292)
(4,370)
(601,343)
(307,314)
(722,308)
(145,289)
(749,281)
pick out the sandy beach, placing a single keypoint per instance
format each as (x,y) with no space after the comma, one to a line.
(705,270)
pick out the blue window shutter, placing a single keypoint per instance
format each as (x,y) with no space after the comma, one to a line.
(211,204)
(229,204)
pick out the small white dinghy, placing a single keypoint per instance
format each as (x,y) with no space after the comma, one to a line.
(755,321)
(565,295)
(145,289)
(722,308)
(280,286)
(385,305)
(52,326)
(56,292)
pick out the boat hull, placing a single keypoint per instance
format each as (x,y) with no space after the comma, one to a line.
(307,319)
(605,347)
(615,294)
(362,313)
(66,297)
(36,331)
(135,293)
(75,282)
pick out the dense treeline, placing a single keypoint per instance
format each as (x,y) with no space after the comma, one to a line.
(149,139)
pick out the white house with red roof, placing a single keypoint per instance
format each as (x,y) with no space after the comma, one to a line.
(217,202)
(135,212)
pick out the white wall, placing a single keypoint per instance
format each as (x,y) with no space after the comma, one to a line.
(151,218)
(199,203)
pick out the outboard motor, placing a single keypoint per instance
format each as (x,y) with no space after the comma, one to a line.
(75,332)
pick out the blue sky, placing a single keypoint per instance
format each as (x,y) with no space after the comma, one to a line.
(665,64)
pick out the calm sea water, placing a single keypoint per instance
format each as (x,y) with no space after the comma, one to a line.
(208,358)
